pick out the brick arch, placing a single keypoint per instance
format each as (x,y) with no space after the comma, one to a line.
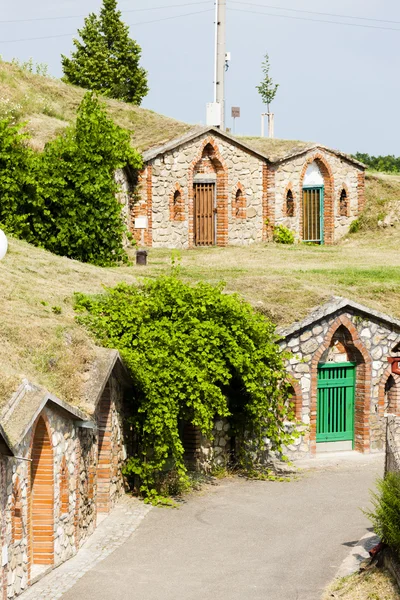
(16,513)
(221,192)
(41,494)
(346,189)
(329,187)
(177,206)
(64,487)
(104,460)
(297,399)
(382,391)
(359,354)
(289,188)
(239,202)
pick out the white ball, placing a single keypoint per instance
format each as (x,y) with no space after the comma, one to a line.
(3,244)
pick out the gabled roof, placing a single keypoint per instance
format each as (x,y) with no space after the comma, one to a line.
(270,150)
(335,305)
(25,406)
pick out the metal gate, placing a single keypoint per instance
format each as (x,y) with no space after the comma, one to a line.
(335,411)
(313,215)
(204,211)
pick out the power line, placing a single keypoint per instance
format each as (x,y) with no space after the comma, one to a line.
(314,20)
(48,37)
(313,12)
(122,11)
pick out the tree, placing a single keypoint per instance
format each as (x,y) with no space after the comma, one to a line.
(267,88)
(81,215)
(107,60)
(194,353)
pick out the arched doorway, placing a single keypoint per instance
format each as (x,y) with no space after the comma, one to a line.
(42,496)
(342,393)
(208,214)
(313,205)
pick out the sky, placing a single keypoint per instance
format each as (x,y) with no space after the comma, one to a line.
(339,85)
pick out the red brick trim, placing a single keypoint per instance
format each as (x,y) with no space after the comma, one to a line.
(144,207)
(363,385)
(177,204)
(268,201)
(64,488)
(329,213)
(239,202)
(16,513)
(396,394)
(361,190)
(41,532)
(297,398)
(339,207)
(222,192)
(78,455)
(289,188)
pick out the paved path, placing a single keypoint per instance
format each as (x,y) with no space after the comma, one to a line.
(242,540)
(112,532)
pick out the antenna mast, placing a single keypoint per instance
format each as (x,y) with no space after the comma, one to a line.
(220,57)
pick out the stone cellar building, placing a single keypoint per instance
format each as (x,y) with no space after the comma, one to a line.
(59,468)
(209,188)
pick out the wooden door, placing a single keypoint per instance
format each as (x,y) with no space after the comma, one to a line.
(204,214)
(335,411)
(313,211)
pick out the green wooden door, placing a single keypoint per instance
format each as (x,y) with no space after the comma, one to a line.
(335,411)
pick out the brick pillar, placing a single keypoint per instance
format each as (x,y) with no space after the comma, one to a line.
(104,452)
(361,191)
(268,200)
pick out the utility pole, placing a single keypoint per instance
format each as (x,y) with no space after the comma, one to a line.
(220,57)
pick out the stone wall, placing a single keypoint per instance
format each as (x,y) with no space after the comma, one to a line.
(176,168)
(345,176)
(371,341)
(74,484)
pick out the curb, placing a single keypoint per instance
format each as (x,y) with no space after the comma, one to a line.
(358,553)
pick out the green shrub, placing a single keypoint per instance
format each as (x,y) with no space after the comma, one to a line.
(283,235)
(65,199)
(194,354)
(386,514)
(355,226)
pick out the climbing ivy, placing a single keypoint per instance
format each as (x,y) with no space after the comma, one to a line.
(195,353)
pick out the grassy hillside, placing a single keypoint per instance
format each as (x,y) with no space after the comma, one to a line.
(48,106)
(39,338)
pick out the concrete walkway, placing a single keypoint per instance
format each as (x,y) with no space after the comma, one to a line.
(243,540)
(112,531)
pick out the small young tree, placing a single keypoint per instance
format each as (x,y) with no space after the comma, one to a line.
(267,88)
(107,59)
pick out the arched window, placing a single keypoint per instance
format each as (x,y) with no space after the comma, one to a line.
(289,204)
(391,392)
(343,203)
(239,204)
(64,491)
(177,211)
(16,516)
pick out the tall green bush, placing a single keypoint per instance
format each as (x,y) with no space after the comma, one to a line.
(194,354)
(65,199)
(82,218)
(19,202)
(386,514)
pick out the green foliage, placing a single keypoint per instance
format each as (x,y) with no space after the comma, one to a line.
(30,67)
(65,198)
(107,60)
(386,514)
(194,354)
(355,226)
(386,164)
(18,184)
(283,235)
(82,216)
(267,88)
